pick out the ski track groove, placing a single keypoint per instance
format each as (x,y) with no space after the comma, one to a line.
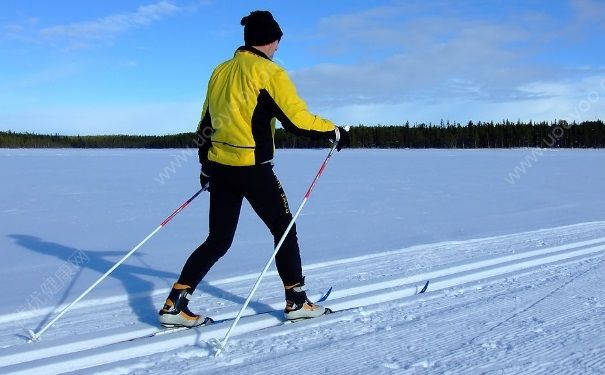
(520,336)
(371,330)
(450,302)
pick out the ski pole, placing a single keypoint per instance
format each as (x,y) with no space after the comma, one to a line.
(223,343)
(35,336)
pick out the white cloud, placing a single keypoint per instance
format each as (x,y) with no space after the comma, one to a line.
(106,28)
(571,101)
(408,64)
(430,56)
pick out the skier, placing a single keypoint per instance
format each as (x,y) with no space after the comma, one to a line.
(236,144)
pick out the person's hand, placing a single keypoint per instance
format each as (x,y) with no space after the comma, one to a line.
(342,138)
(205,177)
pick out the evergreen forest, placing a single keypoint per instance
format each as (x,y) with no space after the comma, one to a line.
(505,134)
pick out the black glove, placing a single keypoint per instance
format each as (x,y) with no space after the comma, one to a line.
(341,136)
(205,177)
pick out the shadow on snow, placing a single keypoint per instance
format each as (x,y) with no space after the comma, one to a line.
(139,290)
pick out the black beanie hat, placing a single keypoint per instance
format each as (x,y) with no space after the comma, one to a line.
(260,28)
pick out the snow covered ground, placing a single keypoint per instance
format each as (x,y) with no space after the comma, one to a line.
(512,241)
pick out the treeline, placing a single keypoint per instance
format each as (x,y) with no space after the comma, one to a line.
(587,134)
(30,140)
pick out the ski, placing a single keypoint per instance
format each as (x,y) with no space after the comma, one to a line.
(330,311)
(290,321)
(325,296)
(171,329)
(206,321)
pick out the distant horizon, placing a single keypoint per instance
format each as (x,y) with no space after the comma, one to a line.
(551,122)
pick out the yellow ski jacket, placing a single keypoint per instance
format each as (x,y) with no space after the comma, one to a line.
(245,95)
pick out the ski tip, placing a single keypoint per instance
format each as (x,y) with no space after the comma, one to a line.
(424,288)
(325,296)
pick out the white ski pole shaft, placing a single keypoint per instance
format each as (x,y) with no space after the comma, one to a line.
(223,342)
(36,336)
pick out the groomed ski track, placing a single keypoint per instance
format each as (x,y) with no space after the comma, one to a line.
(549,280)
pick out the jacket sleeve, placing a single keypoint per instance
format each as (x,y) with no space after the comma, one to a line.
(292,111)
(204,133)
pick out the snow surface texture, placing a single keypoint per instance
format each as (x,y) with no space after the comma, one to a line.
(516,269)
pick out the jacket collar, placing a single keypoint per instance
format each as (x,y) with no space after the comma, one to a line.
(252,50)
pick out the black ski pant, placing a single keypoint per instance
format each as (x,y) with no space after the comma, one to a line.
(228,187)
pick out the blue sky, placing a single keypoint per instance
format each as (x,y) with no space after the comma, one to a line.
(141,67)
